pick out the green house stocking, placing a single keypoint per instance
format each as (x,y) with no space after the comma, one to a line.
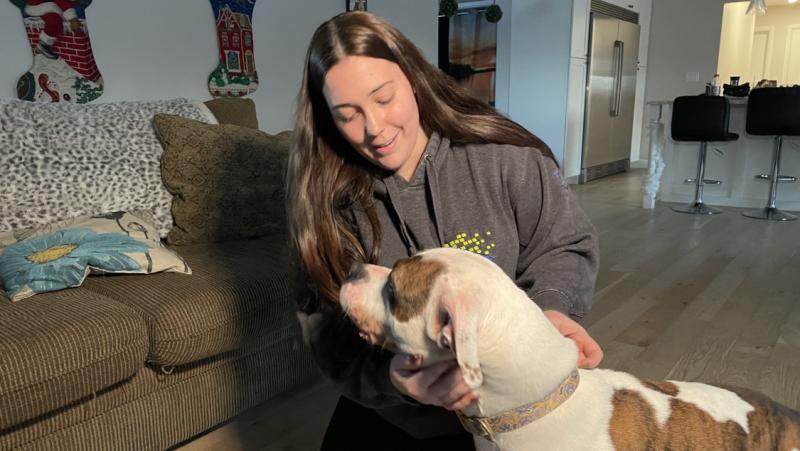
(235,75)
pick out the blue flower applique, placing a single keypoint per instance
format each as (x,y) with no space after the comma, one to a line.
(59,260)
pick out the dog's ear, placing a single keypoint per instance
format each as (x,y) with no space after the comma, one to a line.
(459,333)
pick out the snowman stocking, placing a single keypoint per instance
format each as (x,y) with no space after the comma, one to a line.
(236,74)
(63,68)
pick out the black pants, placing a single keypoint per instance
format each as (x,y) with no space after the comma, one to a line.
(354,427)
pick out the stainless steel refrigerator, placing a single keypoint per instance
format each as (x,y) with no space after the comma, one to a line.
(610,93)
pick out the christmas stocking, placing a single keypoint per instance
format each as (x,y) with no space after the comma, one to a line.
(236,74)
(63,64)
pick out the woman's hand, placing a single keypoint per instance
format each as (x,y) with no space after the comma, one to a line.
(440,384)
(589,352)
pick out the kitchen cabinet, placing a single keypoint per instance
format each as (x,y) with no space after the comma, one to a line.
(644,22)
(580,28)
(576,105)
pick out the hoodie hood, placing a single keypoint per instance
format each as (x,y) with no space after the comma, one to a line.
(393,187)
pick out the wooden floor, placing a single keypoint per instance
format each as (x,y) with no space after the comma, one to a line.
(713,299)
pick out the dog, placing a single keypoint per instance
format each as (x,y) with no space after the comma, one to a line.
(447,303)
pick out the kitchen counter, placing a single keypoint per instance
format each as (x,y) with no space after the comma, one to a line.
(671,163)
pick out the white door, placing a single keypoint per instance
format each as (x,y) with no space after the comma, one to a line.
(791,66)
(760,58)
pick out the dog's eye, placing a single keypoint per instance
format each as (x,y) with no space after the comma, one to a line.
(391,296)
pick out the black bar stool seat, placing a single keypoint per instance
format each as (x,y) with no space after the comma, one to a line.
(774,111)
(702,119)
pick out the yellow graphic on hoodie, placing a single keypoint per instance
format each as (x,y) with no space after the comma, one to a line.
(474,243)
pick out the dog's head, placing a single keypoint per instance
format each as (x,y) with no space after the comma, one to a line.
(428,304)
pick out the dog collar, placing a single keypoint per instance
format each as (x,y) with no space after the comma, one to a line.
(521,416)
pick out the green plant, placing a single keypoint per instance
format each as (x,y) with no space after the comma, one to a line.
(494,14)
(448,7)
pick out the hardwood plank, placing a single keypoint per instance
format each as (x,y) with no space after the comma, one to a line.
(275,418)
(672,303)
(622,357)
(708,303)
(779,376)
(668,349)
(790,331)
(794,262)
(701,360)
(738,369)
(761,332)
(608,279)
(628,301)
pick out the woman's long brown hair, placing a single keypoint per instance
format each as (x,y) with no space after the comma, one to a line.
(328,180)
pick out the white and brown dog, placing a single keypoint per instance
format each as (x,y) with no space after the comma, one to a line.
(531,396)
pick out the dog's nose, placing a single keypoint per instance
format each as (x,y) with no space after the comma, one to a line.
(357,271)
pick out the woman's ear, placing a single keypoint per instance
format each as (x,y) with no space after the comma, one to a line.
(459,333)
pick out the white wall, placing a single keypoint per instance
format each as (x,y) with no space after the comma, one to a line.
(684,37)
(736,42)
(779,17)
(539,73)
(155,49)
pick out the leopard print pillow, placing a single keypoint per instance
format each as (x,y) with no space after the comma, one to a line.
(65,160)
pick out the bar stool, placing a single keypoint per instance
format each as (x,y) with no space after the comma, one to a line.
(774,111)
(701,119)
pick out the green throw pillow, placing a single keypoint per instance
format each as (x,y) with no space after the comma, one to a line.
(62,254)
(227,180)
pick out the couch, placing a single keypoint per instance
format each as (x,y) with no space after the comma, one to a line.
(144,362)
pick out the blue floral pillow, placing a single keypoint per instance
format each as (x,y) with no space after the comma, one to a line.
(62,254)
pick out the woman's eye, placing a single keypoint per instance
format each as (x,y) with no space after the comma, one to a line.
(346,119)
(387,101)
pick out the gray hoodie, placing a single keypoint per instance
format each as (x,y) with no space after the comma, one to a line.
(507,203)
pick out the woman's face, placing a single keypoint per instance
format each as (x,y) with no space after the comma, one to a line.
(374,107)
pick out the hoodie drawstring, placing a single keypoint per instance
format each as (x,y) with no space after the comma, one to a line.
(433,186)
(394,197)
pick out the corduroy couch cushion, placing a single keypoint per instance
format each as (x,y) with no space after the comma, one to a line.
(59,347)
(153,410)
(239,291)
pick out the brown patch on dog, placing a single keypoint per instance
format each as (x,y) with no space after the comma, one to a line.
(667,388)
(470,372)
(633,426)
(770,423)
(413,279)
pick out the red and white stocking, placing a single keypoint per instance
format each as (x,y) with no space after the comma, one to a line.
(64,69)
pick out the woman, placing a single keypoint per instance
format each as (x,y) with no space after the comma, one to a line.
(391,157)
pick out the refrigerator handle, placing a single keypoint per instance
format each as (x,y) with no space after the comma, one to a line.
(616,98)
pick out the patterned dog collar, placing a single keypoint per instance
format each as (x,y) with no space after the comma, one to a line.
(523,415)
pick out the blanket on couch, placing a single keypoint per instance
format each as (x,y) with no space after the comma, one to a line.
(61,161)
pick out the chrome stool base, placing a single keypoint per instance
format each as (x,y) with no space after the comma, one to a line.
(781,178)
(770,214)
(697,208)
